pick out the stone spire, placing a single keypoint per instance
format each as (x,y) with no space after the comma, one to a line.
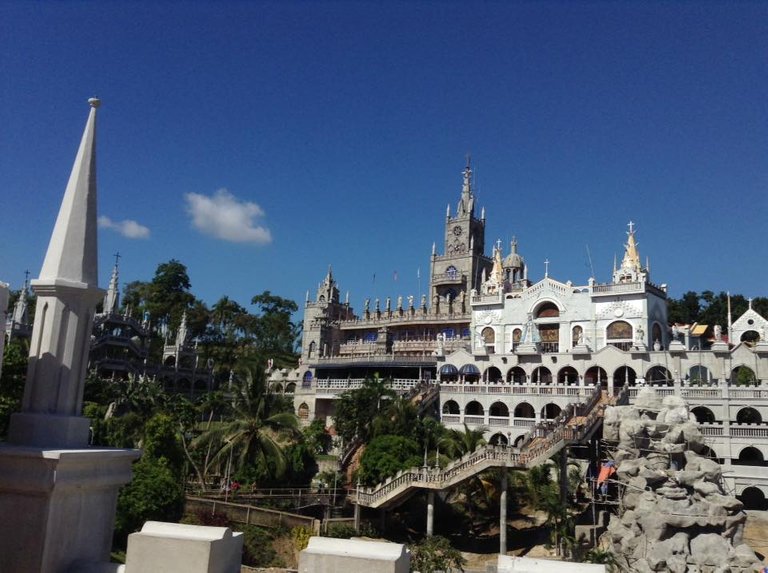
(67,293)
(112,298)
(181,335)
(20,308)
(71,254)
(467,201)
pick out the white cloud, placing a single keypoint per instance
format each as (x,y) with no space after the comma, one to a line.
(128,228)
(224,217)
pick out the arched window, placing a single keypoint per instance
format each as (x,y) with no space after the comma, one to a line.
(311,350)
(550,411)
(656,335)
(577,335)
(703,415)
(624,376)
(492,375)
(619,334)
(499,409)
(451,407)
(743,376)
(517,335)
(541,375)
(750,337)
(524,410)
(749,416)
(498,439)
(547,310)
(568,375)
(516,375)
(303,411)
(474,408)
(659,376)
(306,381)
(489,339)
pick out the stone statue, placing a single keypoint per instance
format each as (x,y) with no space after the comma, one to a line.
(718,333)
(400,302)
(410,301)
(675,332)
(367,304)
(639,334)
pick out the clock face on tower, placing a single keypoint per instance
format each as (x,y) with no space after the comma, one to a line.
(457,230)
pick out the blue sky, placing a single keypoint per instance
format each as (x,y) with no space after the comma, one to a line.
(260,142)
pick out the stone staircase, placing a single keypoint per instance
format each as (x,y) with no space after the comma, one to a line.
(540,445)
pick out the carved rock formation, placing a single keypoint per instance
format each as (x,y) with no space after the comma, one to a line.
(674,513)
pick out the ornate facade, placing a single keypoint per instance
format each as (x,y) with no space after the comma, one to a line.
(509,353)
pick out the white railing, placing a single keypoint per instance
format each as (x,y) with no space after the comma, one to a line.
(518,389)
(542,443)
(336,385)
(711,430)
(749,431)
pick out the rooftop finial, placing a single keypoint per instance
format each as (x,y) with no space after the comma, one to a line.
(94,102)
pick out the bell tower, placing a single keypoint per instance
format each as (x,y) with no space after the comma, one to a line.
(460,268)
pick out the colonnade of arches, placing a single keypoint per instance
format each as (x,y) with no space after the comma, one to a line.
(501,410)
(595,375)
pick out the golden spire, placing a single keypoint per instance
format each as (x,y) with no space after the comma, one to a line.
(631,256)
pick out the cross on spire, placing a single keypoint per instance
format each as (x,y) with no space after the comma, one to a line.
(546,268)
(117,256)
(26,277)
(631,227)
(498,244)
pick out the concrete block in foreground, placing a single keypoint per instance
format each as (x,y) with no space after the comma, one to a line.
(510,564)
(327,555)
(177,548)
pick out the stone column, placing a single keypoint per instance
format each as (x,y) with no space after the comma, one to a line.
(503,513)
(357,518)
(430,513)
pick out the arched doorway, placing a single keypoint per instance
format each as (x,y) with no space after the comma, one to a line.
(749,416)
(596,376)
(743,376)
(470,373)
(568,376)
(524,410)
(492,375)
(541,375)
(659,376)
(451,407)
(516,375)
(703,415)
(448,373)
(550,411)
(750,456)
(474,408)
(498,439)
(624,376)
(499,410)
(753,498)
(698,375)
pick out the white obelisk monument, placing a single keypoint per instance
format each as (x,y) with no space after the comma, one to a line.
(57,495)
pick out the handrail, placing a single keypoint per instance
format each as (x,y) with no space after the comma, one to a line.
(540,444)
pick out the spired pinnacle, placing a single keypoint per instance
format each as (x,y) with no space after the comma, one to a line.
(94,102)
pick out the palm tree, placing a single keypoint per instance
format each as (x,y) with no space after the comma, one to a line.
(457,443)
(260,427)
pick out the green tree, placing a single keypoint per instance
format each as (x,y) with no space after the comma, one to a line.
(12,382)
(357,410)
(384,456)
(154,493)
(433,554)
(261,428)
(457,443)
(275,335)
